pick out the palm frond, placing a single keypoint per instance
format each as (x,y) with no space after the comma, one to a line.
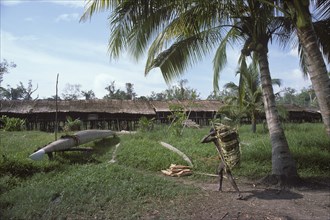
(135,23)
(284,32)
(177,27)
(183,53)
(243,71)
(231,86)
(277,82)
(94,6)
(302,61)
(322,9)
(220,57)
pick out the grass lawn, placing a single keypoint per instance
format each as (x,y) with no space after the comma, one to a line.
(85,185)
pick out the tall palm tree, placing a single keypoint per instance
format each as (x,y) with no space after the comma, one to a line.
(314,60)
(183,32)
(310,43)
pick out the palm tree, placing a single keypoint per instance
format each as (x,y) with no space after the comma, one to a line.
(313,37)
(248,94)
(193,30)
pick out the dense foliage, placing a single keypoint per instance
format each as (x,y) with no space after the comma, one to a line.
(12,124)
(72,124)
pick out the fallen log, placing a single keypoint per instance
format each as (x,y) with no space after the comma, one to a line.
(68,141)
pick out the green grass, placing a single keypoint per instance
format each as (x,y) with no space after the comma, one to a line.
(86,190)
(310,148)
(85,185)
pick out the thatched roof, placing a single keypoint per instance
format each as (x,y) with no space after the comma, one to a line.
(106,106)
(297,108)
(119,106)
(197,106)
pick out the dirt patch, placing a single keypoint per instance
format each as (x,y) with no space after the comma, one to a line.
(310,201)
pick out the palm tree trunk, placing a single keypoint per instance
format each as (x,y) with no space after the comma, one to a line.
(283,165)
(317,72)
(315,64)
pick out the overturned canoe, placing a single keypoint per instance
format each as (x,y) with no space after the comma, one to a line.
(69,141)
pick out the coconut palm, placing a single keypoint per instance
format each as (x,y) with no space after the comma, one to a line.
(313,46)
(312,36)
(183,32)
(248,94)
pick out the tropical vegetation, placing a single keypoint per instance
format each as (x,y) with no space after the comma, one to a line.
(246,98)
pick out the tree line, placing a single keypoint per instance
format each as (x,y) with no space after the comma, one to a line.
(306,97)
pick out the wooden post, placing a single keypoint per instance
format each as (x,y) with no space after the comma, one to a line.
(56,107)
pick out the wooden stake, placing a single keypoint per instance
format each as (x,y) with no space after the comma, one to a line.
(56,107)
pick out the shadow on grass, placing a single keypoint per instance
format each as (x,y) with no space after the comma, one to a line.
(104,145)
(24,169)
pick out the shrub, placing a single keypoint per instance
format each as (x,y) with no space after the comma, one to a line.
(13,124)
(177,117)
(146,124)
(72,125)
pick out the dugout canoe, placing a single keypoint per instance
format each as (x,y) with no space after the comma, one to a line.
(69,141)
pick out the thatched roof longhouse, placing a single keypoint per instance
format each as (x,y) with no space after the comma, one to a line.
(84,106)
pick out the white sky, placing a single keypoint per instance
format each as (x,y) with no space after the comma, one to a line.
(44,37)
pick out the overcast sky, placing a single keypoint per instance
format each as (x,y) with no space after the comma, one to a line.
(45,38)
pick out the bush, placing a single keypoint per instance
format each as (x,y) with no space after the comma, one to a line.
(146,124)
(13,124)
(72,125)
(177,117)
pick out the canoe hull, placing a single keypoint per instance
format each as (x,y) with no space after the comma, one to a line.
(67,142)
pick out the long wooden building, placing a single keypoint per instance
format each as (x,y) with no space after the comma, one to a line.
(123,114)
(301,114)
(103,114)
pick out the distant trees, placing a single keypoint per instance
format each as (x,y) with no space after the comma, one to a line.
(306,97)
(89,95)
(114,93)
(160,96)
(4,68)
(176,92)
(289,95)
(19,93)
(71,92)
(130,94)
